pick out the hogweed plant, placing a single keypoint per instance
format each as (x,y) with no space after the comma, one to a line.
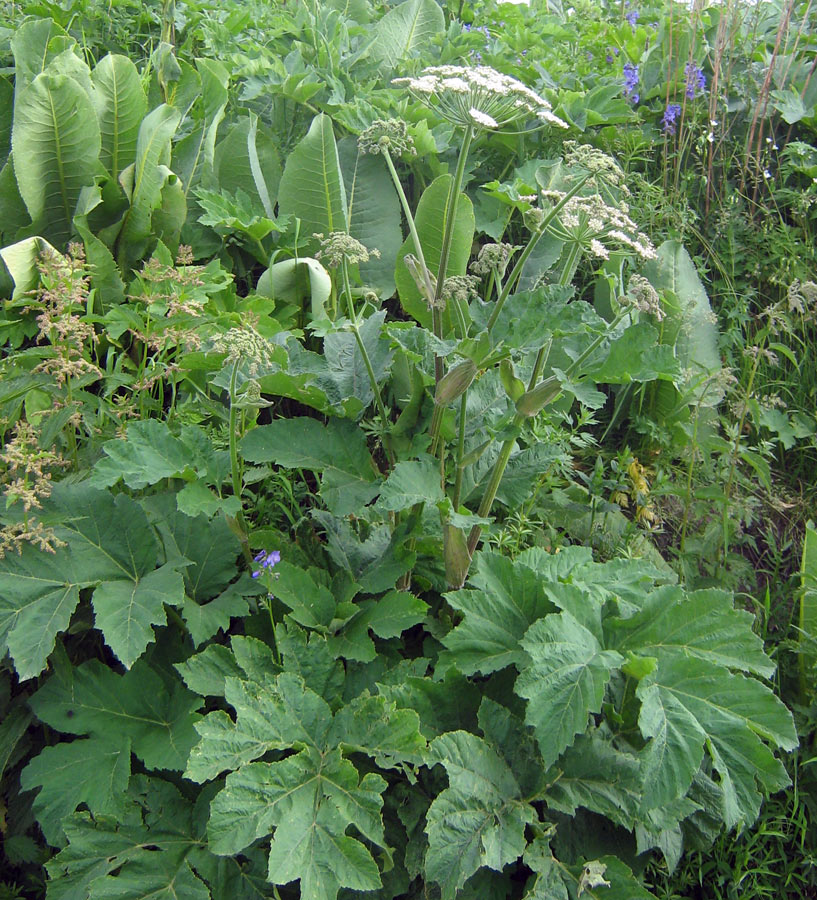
(378,704)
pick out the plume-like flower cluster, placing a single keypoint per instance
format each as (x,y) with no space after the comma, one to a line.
(478,97)
(591,222)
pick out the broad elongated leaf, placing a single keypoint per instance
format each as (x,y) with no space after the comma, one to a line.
(57,134)
(235,164)
(689,319)
(35,44)
(565,681)
(91,699)
(479,820)
(22,260)
(94,771)
(430,218)
(311,187)
(337,450)
(143,182)
(194,155)
(374,214)
(405,29)
(503,600)
(121,105)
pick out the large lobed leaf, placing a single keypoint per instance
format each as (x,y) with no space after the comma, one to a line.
(310,799)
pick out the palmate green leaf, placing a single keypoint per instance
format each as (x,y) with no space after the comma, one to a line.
(94,771)
(447,705)
(120,104)
(309,799)
(701,624)
(57,134)
(405,29)
(38,595)
(564,682)
(635,355)
(503,600)
(205,673)
(690,705)
(113,543)
(311,188)
(429,219)
(594,775)
(411,482)
(515,743)
(93,700)
(143,853)
(309,655)
(338,450)
(479,820)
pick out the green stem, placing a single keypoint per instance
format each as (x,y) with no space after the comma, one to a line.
(451,216)
(529,248)
(235,469)
(418,247)
(384,419)
(505,453)
(460,453)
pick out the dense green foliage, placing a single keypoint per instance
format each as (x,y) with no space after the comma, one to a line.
(407,470)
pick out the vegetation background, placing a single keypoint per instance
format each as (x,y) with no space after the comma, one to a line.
(409,479)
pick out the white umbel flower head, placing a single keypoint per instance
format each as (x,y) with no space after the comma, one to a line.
(478,96)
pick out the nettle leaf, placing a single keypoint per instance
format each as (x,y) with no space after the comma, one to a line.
(480,819)
(607,878)
(316,794)
(91,699)
(504,599)
(565,681)
(95,772)
(313,605)
(337,450)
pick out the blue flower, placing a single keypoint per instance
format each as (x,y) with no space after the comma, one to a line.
(267,560)
(695,80)
(631,82)
(632,17)
(671,114)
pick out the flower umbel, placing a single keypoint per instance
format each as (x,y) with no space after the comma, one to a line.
(339,246)
(387,135)
(478,97)
(597,226)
